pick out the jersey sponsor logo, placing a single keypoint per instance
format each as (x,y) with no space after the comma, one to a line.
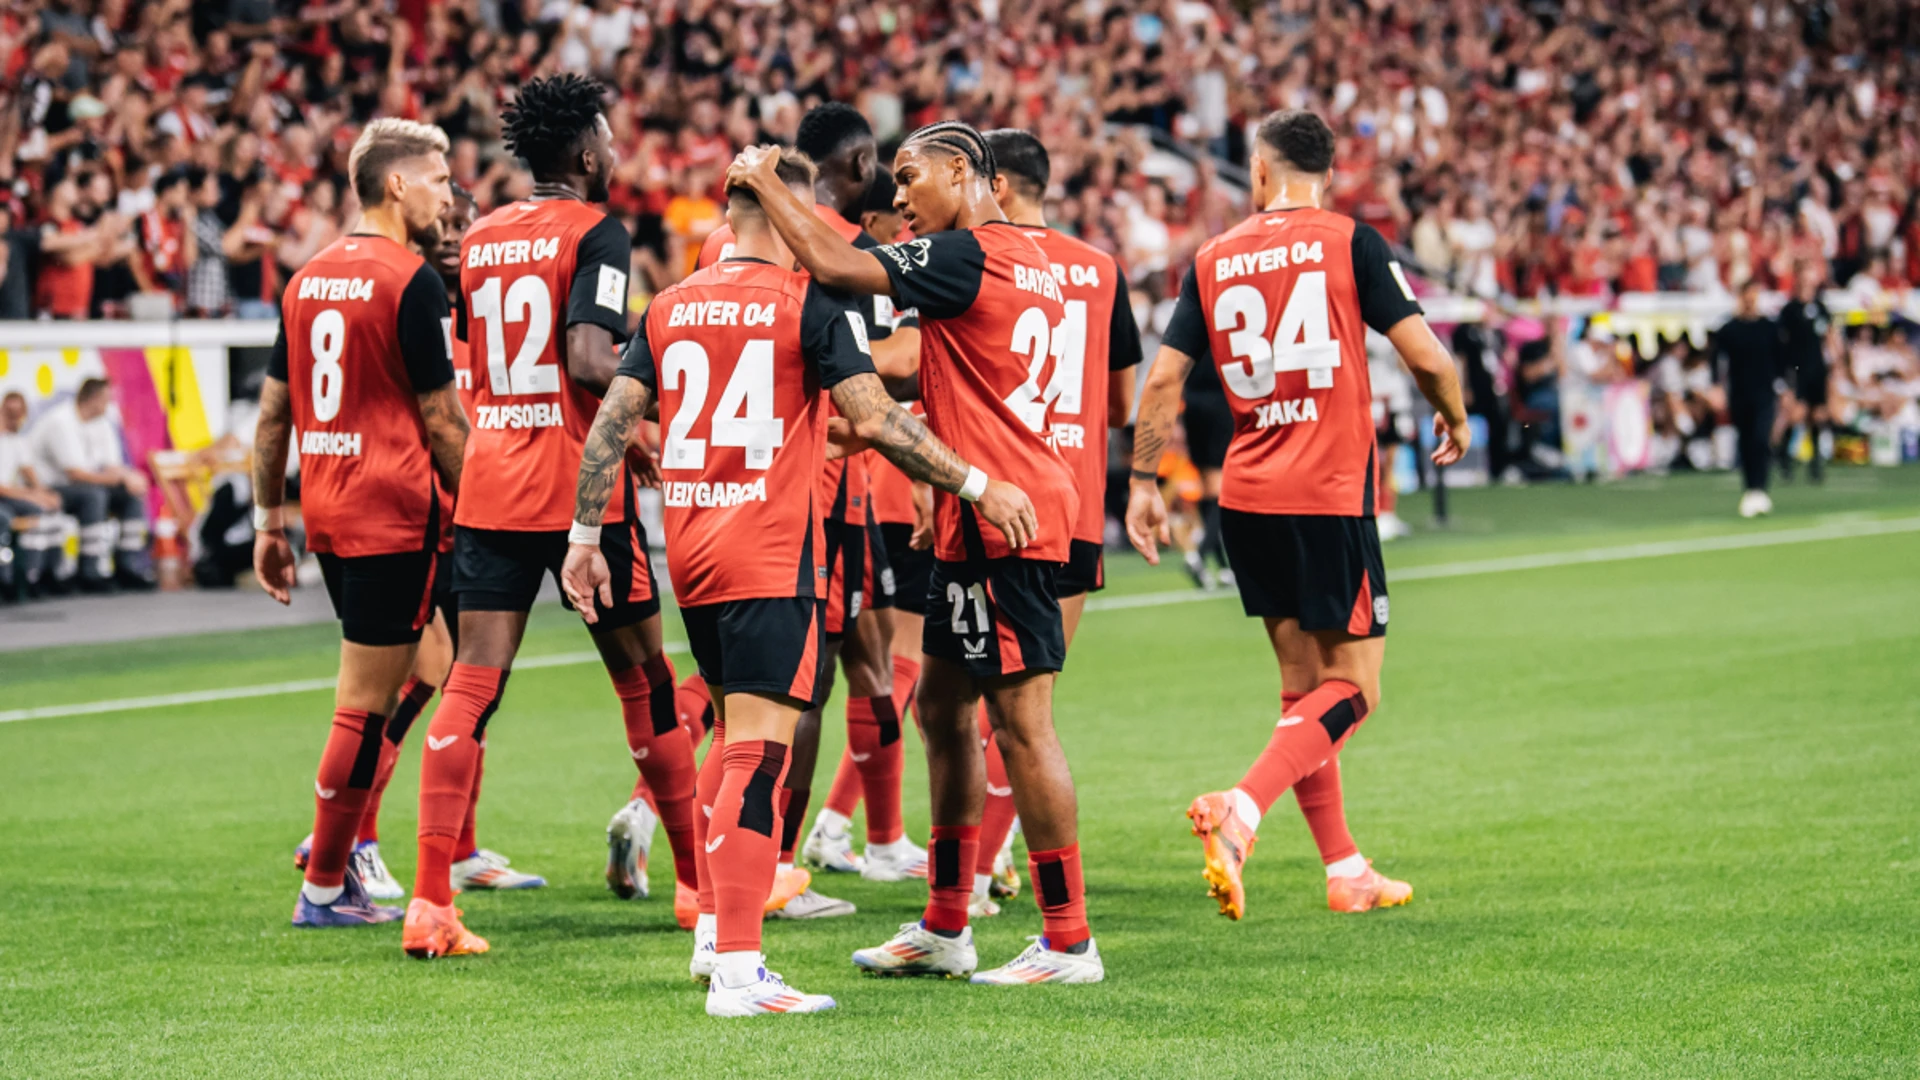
(611,291)
(1380,610)
(720,313)
(501,417)
(330,444)
(1279,413)
(334,290)
(909,256)
(1079,274)
(1027,279)
(1262,262)
(859,332)
(1068,437)
(513,252)
(701,493)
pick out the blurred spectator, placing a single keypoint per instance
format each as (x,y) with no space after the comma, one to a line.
(31,524)
(18,247)
(76,450)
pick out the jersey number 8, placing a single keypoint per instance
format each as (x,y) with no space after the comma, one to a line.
(1303,342)
(328,341)
(743,417)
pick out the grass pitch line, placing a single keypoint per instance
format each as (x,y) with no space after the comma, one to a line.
(1545,560)
(1550,559)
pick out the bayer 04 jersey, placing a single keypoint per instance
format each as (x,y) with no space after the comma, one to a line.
(1097,337)
(989,310)
(360,339)
(1280,305)
(528,272)
(739,356)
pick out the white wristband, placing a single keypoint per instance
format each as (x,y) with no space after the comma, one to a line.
(584,534)
(269,518)
(975,486)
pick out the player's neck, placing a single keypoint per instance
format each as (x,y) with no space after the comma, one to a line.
(1021,214)
(560,189)
(1294,193)
(977,212)
(383,221)
(763,246)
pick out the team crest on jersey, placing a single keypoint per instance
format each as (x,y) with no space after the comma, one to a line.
(910,256)
(611,292)
(1380,610)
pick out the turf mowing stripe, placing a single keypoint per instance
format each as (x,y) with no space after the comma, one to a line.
(1545,560)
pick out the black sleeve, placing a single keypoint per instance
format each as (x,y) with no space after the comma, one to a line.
(937,275)
(277,362)
(599,292)
(423,331)
(833,337)
(1385,296)
(1187,329)
(1123,336)
(636,360)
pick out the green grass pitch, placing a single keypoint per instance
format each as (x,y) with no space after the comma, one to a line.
(1660,815)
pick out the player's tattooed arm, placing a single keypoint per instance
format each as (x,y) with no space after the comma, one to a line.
(447,431)
(626,403)
(270,439)
(1159,409)
(900,437)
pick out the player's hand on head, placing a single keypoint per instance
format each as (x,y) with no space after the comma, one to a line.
(273,564)
(1008,509)
(1147,522)
(1453,441)
(584,577)
(753,168)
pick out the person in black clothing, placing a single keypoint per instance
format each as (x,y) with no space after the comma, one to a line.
(1209,423)
(1478,346)
(1748,358)
(1807,332)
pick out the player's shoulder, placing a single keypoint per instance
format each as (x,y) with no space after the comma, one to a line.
(549,215)
(735,276)
(355,267)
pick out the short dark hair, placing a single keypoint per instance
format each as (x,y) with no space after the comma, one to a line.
(89,388)
(1018,156)
(879,195)
(550,120)
(1299,138)
(795,169)
(826,128)
(168,180)
(958,138)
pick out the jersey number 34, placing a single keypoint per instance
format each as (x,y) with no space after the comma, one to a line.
(1304,340)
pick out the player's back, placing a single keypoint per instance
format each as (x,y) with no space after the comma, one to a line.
(744,431)
(1285,325)
(518,275)
(367,481)
(1092,289)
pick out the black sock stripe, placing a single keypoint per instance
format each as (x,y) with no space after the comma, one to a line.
(493,704)
(757,802)
(666,715)
(1052,876)
(889,719)
(945,861)
(366,759)
(1343,716)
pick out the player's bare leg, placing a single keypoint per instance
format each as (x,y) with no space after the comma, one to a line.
(370,678)
(741,852)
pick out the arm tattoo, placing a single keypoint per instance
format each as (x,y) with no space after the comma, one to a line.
(270,444)
(1159,406)
(627,400)
(447,430)
(898,435)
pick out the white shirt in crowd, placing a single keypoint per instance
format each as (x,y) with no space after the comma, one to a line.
(13,456)
(60,442)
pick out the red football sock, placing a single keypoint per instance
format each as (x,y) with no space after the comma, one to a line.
(660,749)
(347,768)
(843,797)
(745,834)
(694,704)
(1307,737)
(996,820)
(706,793)
(906,676)
(414,696)
(469,845)
(951,855)
(642,791)
(1061,892)
(447,768)
(1326,814)
(879,753)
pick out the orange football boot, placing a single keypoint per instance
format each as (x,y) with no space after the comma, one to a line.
(686,905)
(434,930)
(1364,892)
(1228,842)
(787,884)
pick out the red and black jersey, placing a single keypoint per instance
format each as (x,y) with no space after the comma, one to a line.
(989,310)
(1097,337)
(528,272)
(739,356)
(360,339)
(1280,305)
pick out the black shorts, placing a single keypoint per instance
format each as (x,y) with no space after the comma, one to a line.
(1323,570)
(912,570)
(766,646)
(496,570)
(1209,423)
(381,599)
(1085,571)
(858,574)
(1810,386)
(996,616)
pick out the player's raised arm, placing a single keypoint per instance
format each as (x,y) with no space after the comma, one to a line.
(272,554)
(831,260)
